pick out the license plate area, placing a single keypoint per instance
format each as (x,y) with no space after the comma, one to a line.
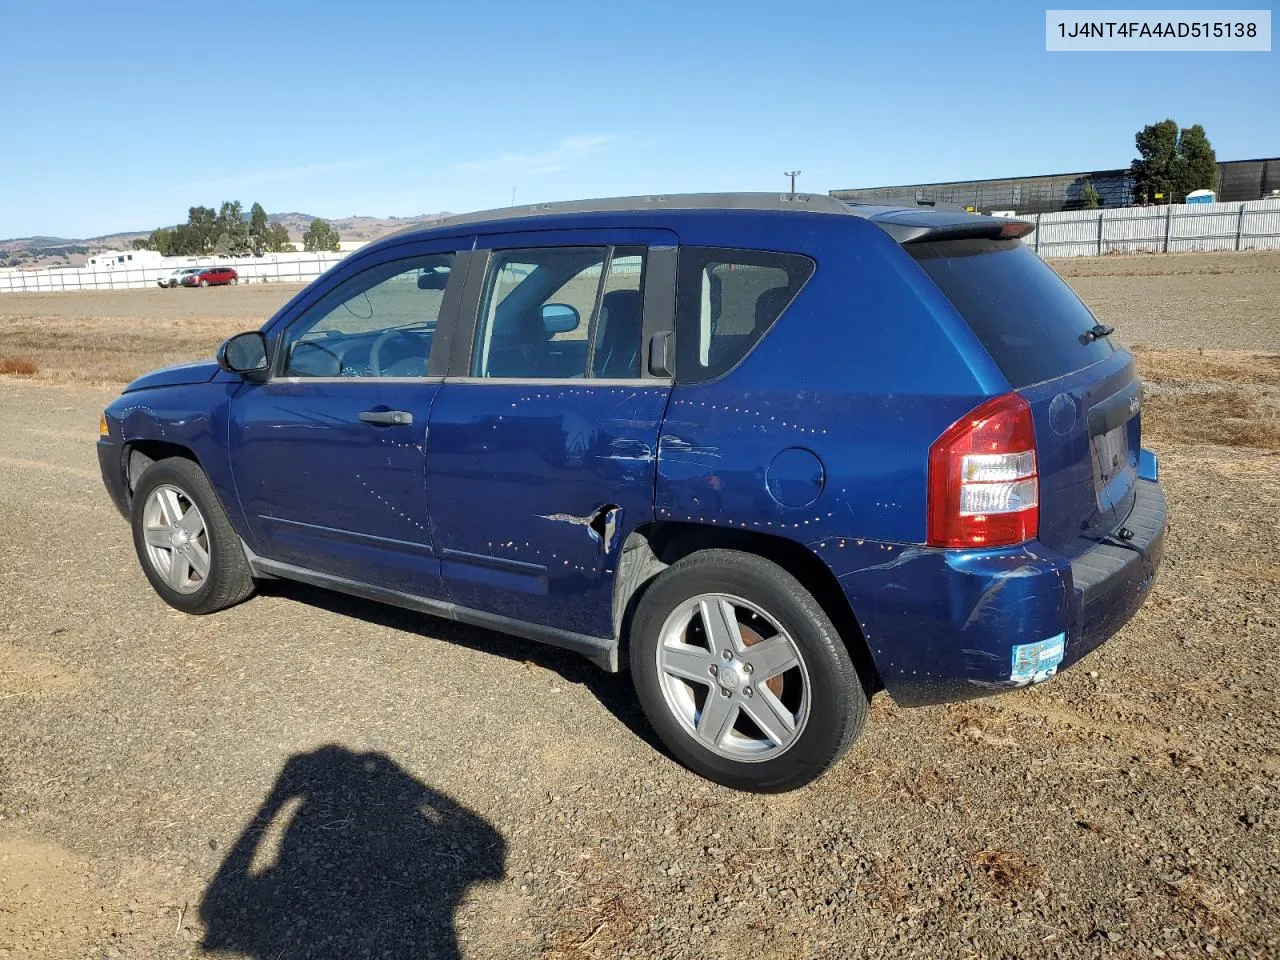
(1110,455)
(1114,466)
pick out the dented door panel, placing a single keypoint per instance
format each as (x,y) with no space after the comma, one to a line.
(533,489)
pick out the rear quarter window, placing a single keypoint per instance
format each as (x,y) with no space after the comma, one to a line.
(1026,316)
(726,300)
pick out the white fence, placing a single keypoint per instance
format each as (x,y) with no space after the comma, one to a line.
(1176,228)
(271,268)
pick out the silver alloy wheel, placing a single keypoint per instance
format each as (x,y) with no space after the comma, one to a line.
(733,677)
(176,538)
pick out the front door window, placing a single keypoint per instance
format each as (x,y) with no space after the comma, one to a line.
(379,323)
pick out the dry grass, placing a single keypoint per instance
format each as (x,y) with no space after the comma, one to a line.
(1006,870)
(108,350)
(1230,418)
(112,336)
(1185,366)
(18,366)
(1208,903)
(1169,264)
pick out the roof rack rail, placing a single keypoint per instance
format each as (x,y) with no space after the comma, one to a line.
(810,202)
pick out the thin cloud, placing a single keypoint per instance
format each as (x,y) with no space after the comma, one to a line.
(566,152)
(257,178)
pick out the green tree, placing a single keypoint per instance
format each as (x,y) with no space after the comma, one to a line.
(202,231)
(1154,171)
(1089,198)
(1173,162)
(232,231)
(163,240)
(257,229)
(320,236)
(277,239)
(184,241)
(1197,163)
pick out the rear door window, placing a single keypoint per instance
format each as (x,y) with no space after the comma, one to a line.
(726,301)
(1026,316)
(562,313)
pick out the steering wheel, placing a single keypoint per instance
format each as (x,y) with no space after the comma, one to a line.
(384,338)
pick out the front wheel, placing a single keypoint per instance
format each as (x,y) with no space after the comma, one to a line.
(204,283)
(185,543)
(742,674)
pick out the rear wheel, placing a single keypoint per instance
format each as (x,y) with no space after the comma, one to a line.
(185,543)
(742,674)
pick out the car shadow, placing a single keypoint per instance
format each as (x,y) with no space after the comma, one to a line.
(349,856)
(613,690)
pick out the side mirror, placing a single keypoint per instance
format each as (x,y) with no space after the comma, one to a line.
(559,318)
(244,354)
(433,279)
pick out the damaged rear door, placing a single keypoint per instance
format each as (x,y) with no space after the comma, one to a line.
(541,452)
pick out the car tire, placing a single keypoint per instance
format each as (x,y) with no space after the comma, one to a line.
(685,682)
(204,283)
(196,563)
(234,281)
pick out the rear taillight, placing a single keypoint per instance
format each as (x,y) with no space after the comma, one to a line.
(984,490)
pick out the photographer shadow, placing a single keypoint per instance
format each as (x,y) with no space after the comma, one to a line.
(349,856)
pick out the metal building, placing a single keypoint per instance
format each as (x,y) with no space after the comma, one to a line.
(1238,180)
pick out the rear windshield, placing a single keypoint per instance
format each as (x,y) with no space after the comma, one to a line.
(1025,314)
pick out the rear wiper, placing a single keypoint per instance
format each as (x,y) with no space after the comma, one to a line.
(1097,332)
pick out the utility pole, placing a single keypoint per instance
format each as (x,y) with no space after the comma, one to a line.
(513,196)
(792,174)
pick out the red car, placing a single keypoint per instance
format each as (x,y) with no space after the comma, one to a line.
(211,277)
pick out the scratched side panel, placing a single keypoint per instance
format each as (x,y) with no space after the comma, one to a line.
(865,369)
(324,490)
(532,490)
(192,416)
(941,624)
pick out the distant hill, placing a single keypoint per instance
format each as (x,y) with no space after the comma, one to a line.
(34,252)
(353,228)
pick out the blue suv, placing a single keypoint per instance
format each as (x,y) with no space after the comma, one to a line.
(773,452)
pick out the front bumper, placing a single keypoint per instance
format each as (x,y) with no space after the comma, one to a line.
(111,462)
(946,625)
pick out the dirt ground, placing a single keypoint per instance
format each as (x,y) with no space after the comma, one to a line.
(255,781)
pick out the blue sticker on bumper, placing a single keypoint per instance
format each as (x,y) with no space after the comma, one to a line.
(1033,662)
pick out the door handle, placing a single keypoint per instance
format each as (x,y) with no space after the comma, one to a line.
(387,417)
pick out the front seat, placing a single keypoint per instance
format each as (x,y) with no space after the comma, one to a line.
(520,351)
(618,346)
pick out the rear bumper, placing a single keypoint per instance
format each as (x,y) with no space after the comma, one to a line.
(1112,581)
(946,625)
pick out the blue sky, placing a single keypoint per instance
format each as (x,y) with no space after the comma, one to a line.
(120,116)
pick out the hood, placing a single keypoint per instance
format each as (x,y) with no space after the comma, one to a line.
(201,371)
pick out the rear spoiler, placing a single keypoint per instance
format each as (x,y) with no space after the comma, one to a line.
(922,226)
